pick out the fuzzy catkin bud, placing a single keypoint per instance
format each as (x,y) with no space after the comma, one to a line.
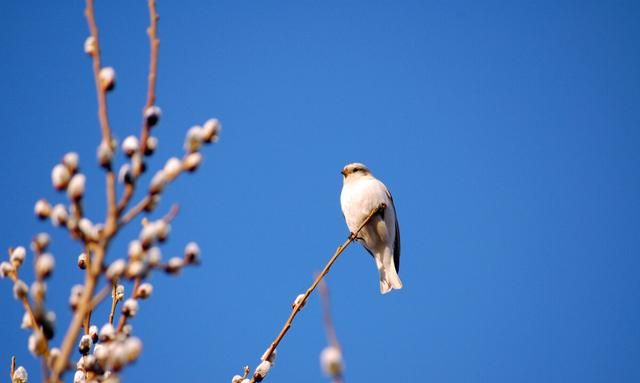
(192,161)
(82,261)
(42,209)
(71,160)
(101,353)
(85,344)
(192,253)
(75,190)
(40,242)
(152,145)
(20,289)
(107,333)
(135,250)
(262,370)
(54,354)
(148,235)
(154,256)
(152,115)
(6,269)
(107,77)
(130,145)
(44,265)
(130,307)
(37,344)
(20,375)
(298,300)
(17,256)
(60,177)
(144,290)
(104,154)
(125,175)
(120,292)
(93,333)
(59,215)
(90,46)
(193,139)
(158,182)
(26,321)
(136,269)
(237,379)
(132,348)
(162,229)
(38,290)
(331,361)
(172,168)
(74,297)
(116,269)
(174,265)
(79,377)
(211,130)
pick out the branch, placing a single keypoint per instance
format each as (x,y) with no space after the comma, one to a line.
(300,302)
(84,307)
(154,43)
(13,367)
(332,338)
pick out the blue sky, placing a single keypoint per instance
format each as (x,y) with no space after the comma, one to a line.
(508,133)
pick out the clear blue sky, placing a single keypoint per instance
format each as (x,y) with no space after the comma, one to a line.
(508,133)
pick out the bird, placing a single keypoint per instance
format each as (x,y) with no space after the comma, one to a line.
(361,193)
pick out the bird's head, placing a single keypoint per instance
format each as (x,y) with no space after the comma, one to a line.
(354,170)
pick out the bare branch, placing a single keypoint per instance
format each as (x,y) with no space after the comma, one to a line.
(302,301)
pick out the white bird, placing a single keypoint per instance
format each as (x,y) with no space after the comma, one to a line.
(361,193)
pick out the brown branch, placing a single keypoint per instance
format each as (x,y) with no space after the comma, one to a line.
(332,338)
(301,302)
(98,298)
(114,302)
(134,211)
(100,91)
(126,197)
(112,211)
(84,307)
(154,43)
(13,367)
(32,316)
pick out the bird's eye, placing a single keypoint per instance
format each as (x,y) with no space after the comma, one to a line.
(356,170)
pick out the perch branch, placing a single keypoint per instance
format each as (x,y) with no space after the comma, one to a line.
(298,306)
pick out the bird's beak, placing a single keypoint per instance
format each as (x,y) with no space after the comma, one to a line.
(344,172)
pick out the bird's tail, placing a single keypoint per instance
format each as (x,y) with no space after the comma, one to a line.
(389,278)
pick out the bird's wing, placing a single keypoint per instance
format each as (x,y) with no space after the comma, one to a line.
(396,245)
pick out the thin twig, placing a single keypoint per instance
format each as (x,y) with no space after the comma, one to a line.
(154,44)
(13,367)
(332,338)
(103,117)
(98,298)
(32,316)
(114,302)
(137,209)
(301,302)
